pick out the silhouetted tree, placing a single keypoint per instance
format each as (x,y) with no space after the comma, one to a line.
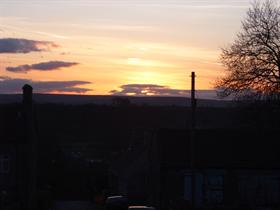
(253,60)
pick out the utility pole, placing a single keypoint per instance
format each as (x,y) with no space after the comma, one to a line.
(192,137)
(193,102)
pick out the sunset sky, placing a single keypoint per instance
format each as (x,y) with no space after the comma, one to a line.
(99,47)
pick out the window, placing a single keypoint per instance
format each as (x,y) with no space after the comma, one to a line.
(4,164)
(215,189)
(188,188)
(260,189)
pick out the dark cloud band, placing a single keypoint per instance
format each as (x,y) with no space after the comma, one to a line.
(148,89)
(14,45)
(159,90)
(45,66)
(14,85)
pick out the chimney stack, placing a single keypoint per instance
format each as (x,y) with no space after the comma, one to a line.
(27,94)
(31,149)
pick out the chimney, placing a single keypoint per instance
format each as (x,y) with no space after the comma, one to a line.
(27,94)
(31,147)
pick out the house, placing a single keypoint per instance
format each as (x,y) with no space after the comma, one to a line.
(229,169)
(17,152)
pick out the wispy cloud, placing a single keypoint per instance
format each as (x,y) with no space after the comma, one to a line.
(15,45)
(157,3)
(52,35)
(107,26)
(45,66)
(14,85)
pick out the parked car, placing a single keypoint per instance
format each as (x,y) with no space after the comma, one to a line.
(141,208)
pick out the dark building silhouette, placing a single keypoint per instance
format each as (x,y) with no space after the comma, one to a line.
(18,172)
(233,169)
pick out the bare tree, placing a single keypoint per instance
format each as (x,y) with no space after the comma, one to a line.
(253,60)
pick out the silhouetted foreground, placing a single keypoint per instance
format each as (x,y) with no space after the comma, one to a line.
(52,154)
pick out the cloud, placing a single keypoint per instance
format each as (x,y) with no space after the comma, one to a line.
(45,66)
(159,90)
(168,4)
(14,85)
(52,35)
(148,90)
(13,45)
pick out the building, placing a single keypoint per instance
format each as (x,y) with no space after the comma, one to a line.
(17,154)
(230,169)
